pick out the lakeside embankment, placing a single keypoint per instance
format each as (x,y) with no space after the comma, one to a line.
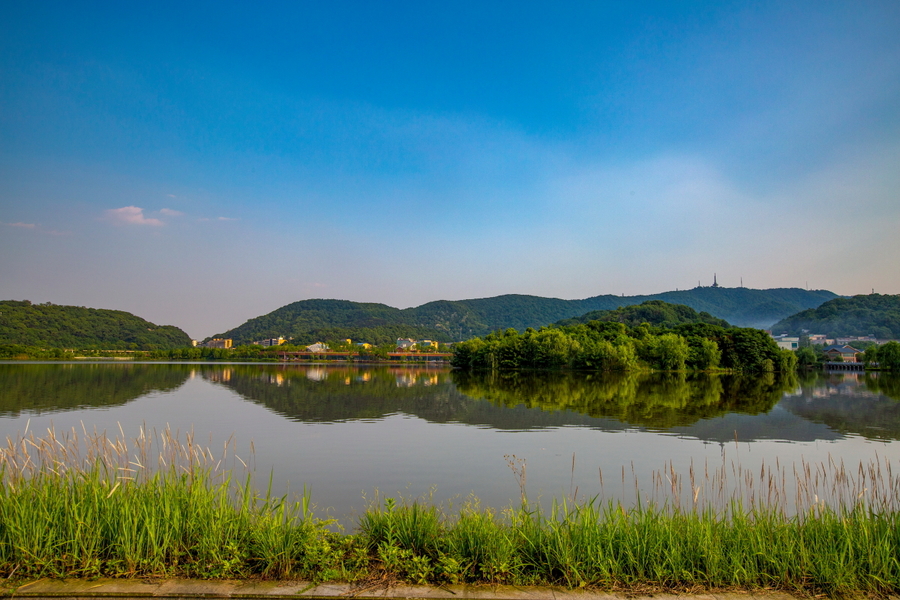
(188,589)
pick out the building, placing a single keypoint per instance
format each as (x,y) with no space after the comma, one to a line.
(788,343)
(218,343)
(405,344)
(271,342)
(317,347)
(838,353)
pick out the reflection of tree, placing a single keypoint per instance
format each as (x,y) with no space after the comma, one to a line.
(887,384)
(658,400)
(865,404)
(43,388)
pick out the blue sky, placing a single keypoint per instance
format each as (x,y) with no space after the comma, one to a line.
(203,165)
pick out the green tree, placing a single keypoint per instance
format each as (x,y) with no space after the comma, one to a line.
(889,356)
(787,361)
(870,355)
(807,358)
(704,354)
(667,352)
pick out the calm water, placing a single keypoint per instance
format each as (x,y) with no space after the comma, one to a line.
(346,432)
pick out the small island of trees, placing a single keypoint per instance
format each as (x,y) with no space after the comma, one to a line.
(614,346)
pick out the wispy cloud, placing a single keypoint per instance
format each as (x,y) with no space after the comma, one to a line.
(170,213)
(226,219)
(36,228)
(130,215)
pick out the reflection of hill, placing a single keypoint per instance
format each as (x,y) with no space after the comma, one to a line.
(861,404)
(330,394)
(506,401)
(654,400)
(57,387)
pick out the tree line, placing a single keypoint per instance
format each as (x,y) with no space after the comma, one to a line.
(611,346)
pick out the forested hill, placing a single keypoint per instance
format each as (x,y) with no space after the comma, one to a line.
(308,321)
(654,312)
(76,327)
(876,314)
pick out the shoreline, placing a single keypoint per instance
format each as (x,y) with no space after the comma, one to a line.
(115,589)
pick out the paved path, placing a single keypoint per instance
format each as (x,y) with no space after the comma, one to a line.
(115,589)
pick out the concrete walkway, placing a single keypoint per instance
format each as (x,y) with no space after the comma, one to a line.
(114,589)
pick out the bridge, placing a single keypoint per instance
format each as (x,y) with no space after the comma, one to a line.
(845,366)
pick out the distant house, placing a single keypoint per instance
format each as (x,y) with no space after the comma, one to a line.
(837,353)
(788,343)
(363,345)
(426,344)
(405,344)
(317,347)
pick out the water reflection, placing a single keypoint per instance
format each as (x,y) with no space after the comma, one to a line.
(656,401)
(345,393)
(709,407)
(41,388)
(864,404)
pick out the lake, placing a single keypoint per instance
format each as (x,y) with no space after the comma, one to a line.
(349,433)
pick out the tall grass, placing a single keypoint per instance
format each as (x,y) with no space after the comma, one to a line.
(90,505)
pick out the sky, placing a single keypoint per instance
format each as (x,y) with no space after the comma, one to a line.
(200,164)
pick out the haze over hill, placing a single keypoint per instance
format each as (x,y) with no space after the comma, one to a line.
(453,320)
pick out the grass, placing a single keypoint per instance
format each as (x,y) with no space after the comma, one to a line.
(88,505)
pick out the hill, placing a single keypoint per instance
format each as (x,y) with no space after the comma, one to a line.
(308,321)
(654,312)
(870,314)
(76,327)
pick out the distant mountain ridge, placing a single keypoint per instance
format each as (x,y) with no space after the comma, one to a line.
(307,321)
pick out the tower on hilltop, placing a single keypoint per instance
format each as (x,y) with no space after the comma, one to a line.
(715,283)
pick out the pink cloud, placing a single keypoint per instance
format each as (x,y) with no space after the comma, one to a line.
(170,213)
(23,225)
(130,215)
